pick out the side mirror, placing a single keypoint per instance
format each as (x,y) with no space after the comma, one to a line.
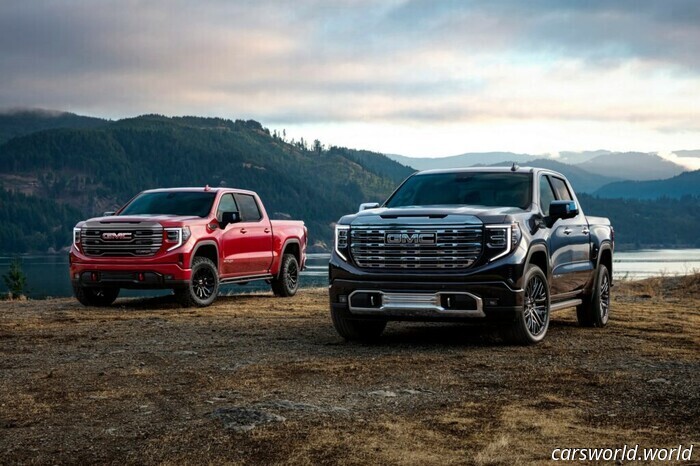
(109,213)
(368,205)
(563,209)
(229,217)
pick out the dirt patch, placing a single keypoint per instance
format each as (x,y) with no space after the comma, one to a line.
(258,379)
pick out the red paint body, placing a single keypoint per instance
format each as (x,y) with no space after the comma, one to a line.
(244,250)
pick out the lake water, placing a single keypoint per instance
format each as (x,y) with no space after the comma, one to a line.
(48,275)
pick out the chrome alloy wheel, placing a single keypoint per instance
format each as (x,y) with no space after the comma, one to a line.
(604,297)
(536,306)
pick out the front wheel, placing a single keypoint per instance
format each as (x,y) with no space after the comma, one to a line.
(595,311)
(531,325)
(203,287)
(287,282)
(95,296)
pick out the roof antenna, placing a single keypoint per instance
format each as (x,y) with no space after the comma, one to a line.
(515,167)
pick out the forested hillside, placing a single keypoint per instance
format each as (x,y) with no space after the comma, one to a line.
(685,184)
(52,178)
(30,223)
(19,122)
(658,223)
(92,170)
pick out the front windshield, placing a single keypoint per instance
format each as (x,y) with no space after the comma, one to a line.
(186,203)
(465,188)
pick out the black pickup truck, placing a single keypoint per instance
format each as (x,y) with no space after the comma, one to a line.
(508,245)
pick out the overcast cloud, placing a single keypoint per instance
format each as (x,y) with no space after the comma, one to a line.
(623,71)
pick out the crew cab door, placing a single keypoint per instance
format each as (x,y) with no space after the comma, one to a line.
(253,248)
(246,244)
(231,241)
(569,244)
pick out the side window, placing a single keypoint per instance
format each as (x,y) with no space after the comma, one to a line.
(562,191)
(227,204)
(546,194)
(248,208)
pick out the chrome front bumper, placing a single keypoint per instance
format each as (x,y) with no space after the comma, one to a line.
(415,304)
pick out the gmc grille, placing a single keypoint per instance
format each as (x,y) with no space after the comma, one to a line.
(141,241)
(416,248)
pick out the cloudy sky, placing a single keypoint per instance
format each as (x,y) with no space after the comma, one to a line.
(410,77)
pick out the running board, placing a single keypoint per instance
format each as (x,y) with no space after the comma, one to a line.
(564,304)
(246,279)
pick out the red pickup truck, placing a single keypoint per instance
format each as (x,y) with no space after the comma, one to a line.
(190,240)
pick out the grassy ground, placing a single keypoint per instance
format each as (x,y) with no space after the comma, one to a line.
(148,382)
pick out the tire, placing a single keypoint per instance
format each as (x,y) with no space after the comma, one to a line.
(95,296)
(203,287)
(595,310)
(358,330)
(287,281)
(531,325)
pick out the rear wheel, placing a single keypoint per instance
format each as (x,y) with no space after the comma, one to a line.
(203,287)
(530,326)
(360,330)
(595,311)
(95,296)
(287,282)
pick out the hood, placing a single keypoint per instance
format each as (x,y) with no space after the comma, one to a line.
(116,220)
(430,215)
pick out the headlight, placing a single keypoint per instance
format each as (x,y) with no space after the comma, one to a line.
(342,234)
(179,236)
(76,236)
(502,239)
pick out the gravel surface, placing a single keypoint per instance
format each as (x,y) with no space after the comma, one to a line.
(258,379)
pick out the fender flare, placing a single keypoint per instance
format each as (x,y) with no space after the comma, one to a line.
(206,242)
(605,245)
(539,247)
(286,243)
(289,241)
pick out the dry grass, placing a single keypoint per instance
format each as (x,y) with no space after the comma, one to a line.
(678,287)
(137,383)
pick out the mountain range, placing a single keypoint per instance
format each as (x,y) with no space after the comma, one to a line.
(612,175)
(609,165)
(56,168)
(582,180)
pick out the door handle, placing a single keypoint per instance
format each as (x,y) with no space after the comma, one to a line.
(244,231)
(585,231)
(266,230)
(567,231)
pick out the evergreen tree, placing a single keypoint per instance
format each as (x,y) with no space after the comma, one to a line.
(15,279)
(317,147)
